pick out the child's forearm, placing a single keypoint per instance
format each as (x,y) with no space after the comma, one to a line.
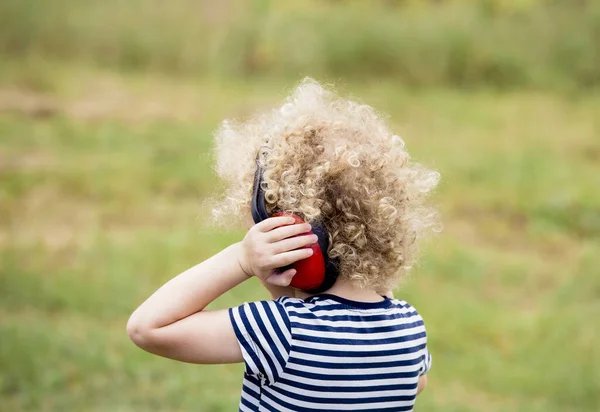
(422,383)
(190,291)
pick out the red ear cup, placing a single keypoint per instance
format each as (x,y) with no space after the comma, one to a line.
(310,272)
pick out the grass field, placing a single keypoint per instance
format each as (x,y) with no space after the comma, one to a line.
(102,175)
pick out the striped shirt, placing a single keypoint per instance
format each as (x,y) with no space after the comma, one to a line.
(327,353)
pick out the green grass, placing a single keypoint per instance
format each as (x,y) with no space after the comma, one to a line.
(100,204)
(545,44)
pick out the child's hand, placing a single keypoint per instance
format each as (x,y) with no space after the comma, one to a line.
(274,243)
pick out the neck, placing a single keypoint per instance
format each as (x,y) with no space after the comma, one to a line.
(346,289)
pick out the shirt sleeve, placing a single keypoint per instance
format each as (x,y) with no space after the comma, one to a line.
(264,334)
(425,362)
(425,359)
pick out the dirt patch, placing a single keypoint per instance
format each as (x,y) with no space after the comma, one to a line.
(28,104)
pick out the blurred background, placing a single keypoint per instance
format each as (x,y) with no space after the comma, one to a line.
(106,114)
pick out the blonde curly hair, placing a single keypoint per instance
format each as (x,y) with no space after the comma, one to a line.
(335,161)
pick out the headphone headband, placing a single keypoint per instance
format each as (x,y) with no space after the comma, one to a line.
(259,209)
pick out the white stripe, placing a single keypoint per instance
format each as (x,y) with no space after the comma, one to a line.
(265,343)
(250,398)
(362,348)
(427,360)
(244,408)
(240,324)
(286,299)
(282,322)
(274,337)
(274,405)
(251,386)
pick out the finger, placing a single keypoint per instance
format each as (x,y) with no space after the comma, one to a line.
(284,232)
(287,258)
(294,243)
(282,279)
(273,222)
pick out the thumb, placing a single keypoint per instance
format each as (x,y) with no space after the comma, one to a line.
(281,279)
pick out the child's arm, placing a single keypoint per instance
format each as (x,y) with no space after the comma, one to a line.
(172,322)
(422,383)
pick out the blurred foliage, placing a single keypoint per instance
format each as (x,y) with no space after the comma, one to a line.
(534,43)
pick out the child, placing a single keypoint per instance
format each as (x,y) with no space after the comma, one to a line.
(352,347)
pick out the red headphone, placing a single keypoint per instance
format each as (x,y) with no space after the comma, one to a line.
(315,274)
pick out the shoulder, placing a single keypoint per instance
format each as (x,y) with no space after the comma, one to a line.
(262,329)
(404,307)
(420,332)
(259,315)
(281,307)
(293,305)
(409,314)
(289,301)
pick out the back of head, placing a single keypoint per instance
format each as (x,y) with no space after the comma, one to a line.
(335,161)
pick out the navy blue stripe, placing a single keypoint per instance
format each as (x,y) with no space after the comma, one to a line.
(266,406)
(289,406)
(370,377)
(408,408)
(256,339)
(247,404)
(329,307)
(242,339)
(282,338)
(347,389)
(353,318)
(252,335)
(297,408)
(343,401)
(359,342)
(333,304)
(252,392)
(357,354)
(348,365)
(353,304)
(365,330)
(269,339)
(253,379)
